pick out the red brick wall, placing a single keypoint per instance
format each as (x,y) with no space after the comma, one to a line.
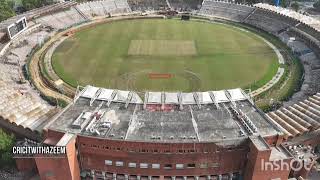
(255,169)
(244,158)
(53,168)
(274,140)
(25,164)
(73,160)
(94,152)
(66,168)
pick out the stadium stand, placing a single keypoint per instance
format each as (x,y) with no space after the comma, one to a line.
(23,109)
(269,21)
(228,113)
(312,22)
(298,23)
(108,6)
(83,12)
(85,9)
(37,12)
(268,18)
(225,10)
(309,30)
(75,15)
(122,6)
(97,8)
(51,21)
(20,103)
(148,5)
(62,19)
(299,118)
(304,41)
(185,5)
(103,8)
(306,48)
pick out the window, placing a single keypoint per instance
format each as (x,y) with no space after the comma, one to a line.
(179,166)
(203,165)
(143,165)
(167,166)
(155,166)
(191,165)
(119,163)
(132,165)
(215,165)
(108,162)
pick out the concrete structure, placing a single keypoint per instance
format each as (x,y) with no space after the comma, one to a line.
(114,134)
(204,135)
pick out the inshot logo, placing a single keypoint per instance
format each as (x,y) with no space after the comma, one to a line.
(38,150)
(280,165)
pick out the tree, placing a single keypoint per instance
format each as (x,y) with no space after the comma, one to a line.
(6,143)
(316,5)
(31,4)
(295,6)
(250,2)
(284,3)
(6,11)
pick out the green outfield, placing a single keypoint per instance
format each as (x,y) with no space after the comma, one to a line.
(165,55)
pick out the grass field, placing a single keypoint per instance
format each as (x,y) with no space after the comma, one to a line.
(191,55)
(162,48)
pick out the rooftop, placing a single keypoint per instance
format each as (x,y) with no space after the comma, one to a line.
(204,117)
(260,143)
(278,153)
